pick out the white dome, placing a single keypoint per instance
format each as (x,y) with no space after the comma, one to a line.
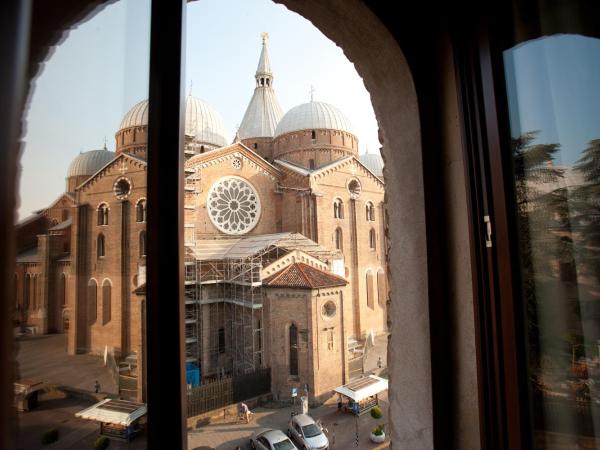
(89,163)
(201,121)
(313,116)
(373,162)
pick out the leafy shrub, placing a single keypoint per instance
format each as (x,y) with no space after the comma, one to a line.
(376,412)
(50,436)
(102,443)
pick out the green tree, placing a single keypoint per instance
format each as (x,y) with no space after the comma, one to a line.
(587,197)
(544,234)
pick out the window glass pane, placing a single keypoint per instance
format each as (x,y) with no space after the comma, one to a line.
(79,317)
(554,104)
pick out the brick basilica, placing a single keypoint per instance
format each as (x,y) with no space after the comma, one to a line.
(284,231)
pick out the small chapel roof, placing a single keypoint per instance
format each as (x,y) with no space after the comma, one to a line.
(303,276)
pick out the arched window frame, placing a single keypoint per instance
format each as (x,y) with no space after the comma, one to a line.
(100,246)
(92,301)
(372,239)
(140,210)
(142,244)
(370,212)
(106,301)
(102,214)
(339,239)
(293,345)
(338,208)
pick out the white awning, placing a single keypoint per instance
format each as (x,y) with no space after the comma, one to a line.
(363,388)
(118,412)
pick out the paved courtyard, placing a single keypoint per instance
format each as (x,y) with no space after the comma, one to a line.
(44,358)
(228,433)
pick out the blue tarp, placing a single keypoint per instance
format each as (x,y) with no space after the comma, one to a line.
(192,374)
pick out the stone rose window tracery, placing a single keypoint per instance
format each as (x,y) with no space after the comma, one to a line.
(233,205)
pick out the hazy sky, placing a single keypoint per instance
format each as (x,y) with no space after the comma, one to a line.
(101,70)
(553,86)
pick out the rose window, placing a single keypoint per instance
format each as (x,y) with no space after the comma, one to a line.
(233,205)
(236,163)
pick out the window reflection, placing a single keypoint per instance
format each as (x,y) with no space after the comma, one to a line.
(554,104)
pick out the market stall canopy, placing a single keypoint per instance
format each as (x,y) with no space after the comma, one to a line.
(363,388)
(117,412)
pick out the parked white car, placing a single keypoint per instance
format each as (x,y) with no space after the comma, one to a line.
(307,434)
(268,439)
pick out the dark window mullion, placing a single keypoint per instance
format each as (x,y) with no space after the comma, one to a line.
(164,286)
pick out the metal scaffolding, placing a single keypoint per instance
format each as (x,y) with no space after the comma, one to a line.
(224,299)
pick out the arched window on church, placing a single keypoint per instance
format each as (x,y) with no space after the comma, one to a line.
(103,214)
(370,296)
(370,210)
(34,292)
(338,209)
(311,164)
(313,136)
(63,290)
(372,239)
(106,301)
(92,293)
(142,243)
(381,288)
(339,242)
(202,149)
(293,350)
(140,211)
(100,246)
(26,292)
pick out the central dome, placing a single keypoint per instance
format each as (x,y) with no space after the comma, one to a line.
(313,116)
(202,121)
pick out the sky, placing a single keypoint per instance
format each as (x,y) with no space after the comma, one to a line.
(101,70)
(553,86)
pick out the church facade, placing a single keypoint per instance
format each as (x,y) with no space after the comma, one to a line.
(284,231)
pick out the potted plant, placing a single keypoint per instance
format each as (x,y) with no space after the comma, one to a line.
(377,435)
(50,437)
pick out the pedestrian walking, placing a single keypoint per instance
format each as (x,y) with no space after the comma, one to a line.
(97,387)
(245,412)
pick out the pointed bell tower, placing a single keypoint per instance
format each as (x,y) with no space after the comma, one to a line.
(263,112)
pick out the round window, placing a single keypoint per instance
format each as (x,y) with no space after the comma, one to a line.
(233,205)
(236,163)
(122,188)
(329,310)
(354,188)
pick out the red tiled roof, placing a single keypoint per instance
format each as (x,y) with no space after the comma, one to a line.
(300,275)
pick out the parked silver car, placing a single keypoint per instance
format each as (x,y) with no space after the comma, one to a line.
(267,439)
(307,434)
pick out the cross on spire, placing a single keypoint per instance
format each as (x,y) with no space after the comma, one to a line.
(312,92)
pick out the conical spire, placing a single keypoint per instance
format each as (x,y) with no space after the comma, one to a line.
(263,112)
(263,71)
